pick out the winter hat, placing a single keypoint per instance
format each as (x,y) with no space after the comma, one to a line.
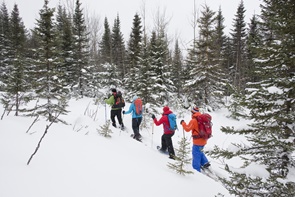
(195,109)
(165,109)
(114,90)
(134,98)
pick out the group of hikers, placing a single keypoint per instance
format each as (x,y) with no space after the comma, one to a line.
(199,159)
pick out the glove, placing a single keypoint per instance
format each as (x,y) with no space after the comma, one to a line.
(181,122)
(123,111)
(153,116)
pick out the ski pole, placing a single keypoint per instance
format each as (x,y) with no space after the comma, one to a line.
(152,132)
(105,112)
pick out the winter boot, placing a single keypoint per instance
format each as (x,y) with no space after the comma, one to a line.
(206,166)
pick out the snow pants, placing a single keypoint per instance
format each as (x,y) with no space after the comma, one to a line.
(199,158)
(116,113)
(166,141)
(135,126)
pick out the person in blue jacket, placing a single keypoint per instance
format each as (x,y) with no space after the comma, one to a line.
(136,120)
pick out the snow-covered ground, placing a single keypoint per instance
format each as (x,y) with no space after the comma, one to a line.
(74,160)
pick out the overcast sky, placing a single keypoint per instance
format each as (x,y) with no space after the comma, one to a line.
(179,13)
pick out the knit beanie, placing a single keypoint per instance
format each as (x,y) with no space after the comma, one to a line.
(165,109)
(134,98)
(195,109)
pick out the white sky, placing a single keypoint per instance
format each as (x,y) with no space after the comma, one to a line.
(179,13)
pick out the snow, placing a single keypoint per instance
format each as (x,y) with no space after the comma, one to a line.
(74,160)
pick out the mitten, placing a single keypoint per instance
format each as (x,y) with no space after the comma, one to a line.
(123,112)
(181,122)
(153,116)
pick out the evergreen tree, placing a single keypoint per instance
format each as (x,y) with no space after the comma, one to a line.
(4,43)
(182,155)
(106,44)
(118,49)
(82,74)
(206,75)
(16,84)
(144,81)
(239,43)
(177,70)
(220,41)
(134,52)
(46,77)
(270,101)
(105,130)
(162,85)
(253,41)
(65,45)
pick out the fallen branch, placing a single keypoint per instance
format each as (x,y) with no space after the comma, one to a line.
(32,123)
(39,143)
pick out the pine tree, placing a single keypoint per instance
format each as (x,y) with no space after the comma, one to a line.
(144,80)
(182,155)
(82,75)
(134,52)
(177,70)
(105,130)
(106,44)
(4,43)
(270,101)
(46,76)
(254,39)
(239,42)
(206,75)
(162,85)
(65,45)
(16,87)
(118,49)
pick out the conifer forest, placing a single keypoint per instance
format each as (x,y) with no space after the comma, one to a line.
(251,71)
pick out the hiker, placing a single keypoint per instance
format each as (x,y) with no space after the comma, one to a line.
(136,117)
(199,160)
(116,110)
(166,139)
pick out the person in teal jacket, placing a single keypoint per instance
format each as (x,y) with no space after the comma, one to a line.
(136,119)
(116,110)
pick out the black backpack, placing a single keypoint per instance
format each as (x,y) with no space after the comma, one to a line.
(119,101)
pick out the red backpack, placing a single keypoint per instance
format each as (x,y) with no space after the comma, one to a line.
(138,106)
(205,126)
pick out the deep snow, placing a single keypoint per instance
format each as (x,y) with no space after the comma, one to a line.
(74,160)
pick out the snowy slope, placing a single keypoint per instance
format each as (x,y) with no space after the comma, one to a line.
(74,160)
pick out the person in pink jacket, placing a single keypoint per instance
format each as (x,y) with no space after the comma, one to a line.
(166,139)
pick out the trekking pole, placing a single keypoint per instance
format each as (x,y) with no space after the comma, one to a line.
(105,112)
(152,132)
(183,132)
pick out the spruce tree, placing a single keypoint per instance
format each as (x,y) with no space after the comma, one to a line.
(82,74)
(206,75)
(182,158)
(134,52)
(16,86)
(270,101)
(254,39)
(106,44)
(65,45)
(162,86)
(239,43)
(46,76)
(118,49)
(4,43)
(177,70)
